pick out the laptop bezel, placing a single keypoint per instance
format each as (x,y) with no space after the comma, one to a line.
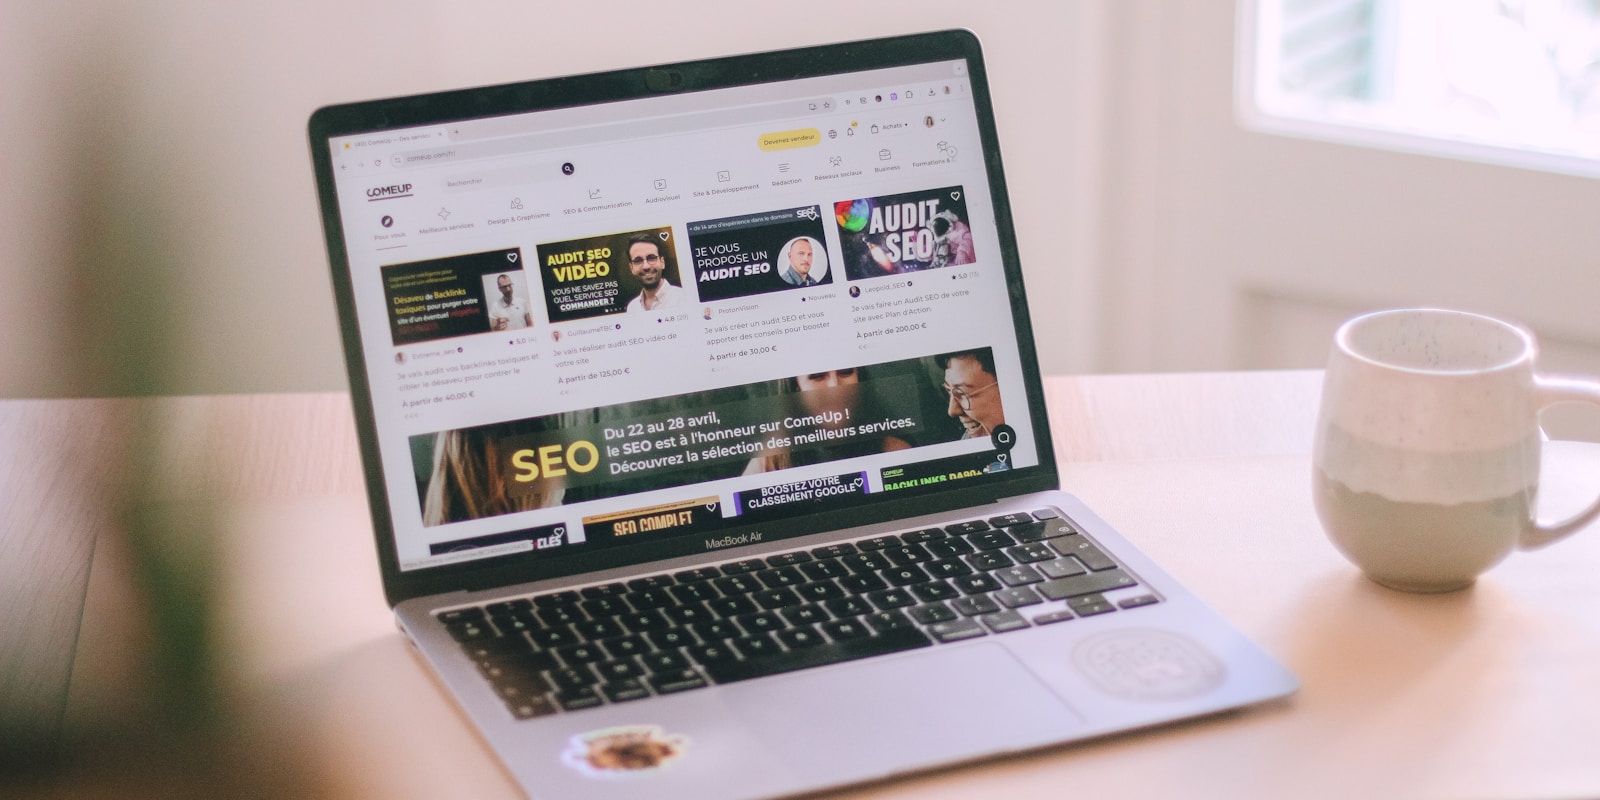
(654,81)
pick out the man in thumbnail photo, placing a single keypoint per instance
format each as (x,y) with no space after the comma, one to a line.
(974,391)
(507,312)
(647,263)
(800,255)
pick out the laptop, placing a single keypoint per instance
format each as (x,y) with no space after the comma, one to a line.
(704,433)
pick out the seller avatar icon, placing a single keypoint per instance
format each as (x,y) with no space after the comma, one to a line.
(648,263)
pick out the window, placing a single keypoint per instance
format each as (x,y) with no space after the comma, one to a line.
(1504,81)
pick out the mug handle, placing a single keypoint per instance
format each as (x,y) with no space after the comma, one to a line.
(1549,390)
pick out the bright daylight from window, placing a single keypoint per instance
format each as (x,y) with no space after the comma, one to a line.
(1505,81)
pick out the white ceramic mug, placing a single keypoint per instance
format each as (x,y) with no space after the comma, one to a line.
(1426,464)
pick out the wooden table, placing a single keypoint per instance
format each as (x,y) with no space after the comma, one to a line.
(1488,692)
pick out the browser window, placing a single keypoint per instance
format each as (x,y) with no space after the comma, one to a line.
(591,327)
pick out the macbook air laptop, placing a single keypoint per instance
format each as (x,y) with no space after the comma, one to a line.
(704,433)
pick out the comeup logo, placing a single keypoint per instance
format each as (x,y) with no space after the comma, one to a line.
(389,192)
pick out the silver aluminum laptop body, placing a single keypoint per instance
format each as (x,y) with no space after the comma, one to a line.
(635,355)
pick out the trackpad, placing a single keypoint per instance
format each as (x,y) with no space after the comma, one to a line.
(888,715)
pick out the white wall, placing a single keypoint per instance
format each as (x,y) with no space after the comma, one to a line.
(158,208)
(161,229)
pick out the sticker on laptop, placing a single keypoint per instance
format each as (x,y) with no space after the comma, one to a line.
(624,751)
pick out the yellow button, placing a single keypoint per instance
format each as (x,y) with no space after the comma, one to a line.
(805,137)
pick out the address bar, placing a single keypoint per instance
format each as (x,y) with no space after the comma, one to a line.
(647,127)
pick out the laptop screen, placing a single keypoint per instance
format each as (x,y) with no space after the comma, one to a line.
(693,316)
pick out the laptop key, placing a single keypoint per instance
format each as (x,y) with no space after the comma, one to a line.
(965,528)
(788,559)
(1084,550)
(471,631)
(578,699)
(620,669)
(572,678)
(755,646)
(776,598)
(644,621)
(1004,621)
(1136,602)
(566,598)
(604,590)
(891,598)
(694,592)
(576,654)
(949,568)
(1031,552)
(731,606)
(823,570)
(833,550)
(734,585)
(1062,568)
(596,629)
(697,574)
(908,554)
(905,576)
(975,605)
(603,607)
(461,615)
(808,614)
(989,560)
(740,567)
(680,637)
(1020,575)
(666,661)
(708,654)
(646,599)
(680,681)
(1091,583)
(1017,597)
(976,584)
(888,620)
(991,540)
(865,562)
(949,548)
(549,638)
(560,615)
(924,535)
(1007,520)
(839,650)
(1054,616)
(847,607)
(626,646)
(841,630)
(761,623)
(800,638)
(623,691)
(956,630)
(818,591)
(651,582)
(709,632)
(507,607)
(934,590)
(862,583)
(879,542)
(930,613)
(780,576)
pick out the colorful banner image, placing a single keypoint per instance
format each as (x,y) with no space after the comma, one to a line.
(456,296)
(759,253)
(747,430)
(611,274)
(901,233)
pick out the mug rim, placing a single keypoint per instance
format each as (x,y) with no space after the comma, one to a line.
(1347,329)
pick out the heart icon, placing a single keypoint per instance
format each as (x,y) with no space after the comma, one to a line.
(955,195)
(512,257)
(664,235)
(711,506)
(560,529)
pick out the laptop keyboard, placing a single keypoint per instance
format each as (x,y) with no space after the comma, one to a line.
(676,632)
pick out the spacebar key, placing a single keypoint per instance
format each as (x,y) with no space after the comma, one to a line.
(892,641)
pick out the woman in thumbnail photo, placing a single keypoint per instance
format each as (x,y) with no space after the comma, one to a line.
(469,479)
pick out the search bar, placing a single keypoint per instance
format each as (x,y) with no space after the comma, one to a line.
(635,128)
